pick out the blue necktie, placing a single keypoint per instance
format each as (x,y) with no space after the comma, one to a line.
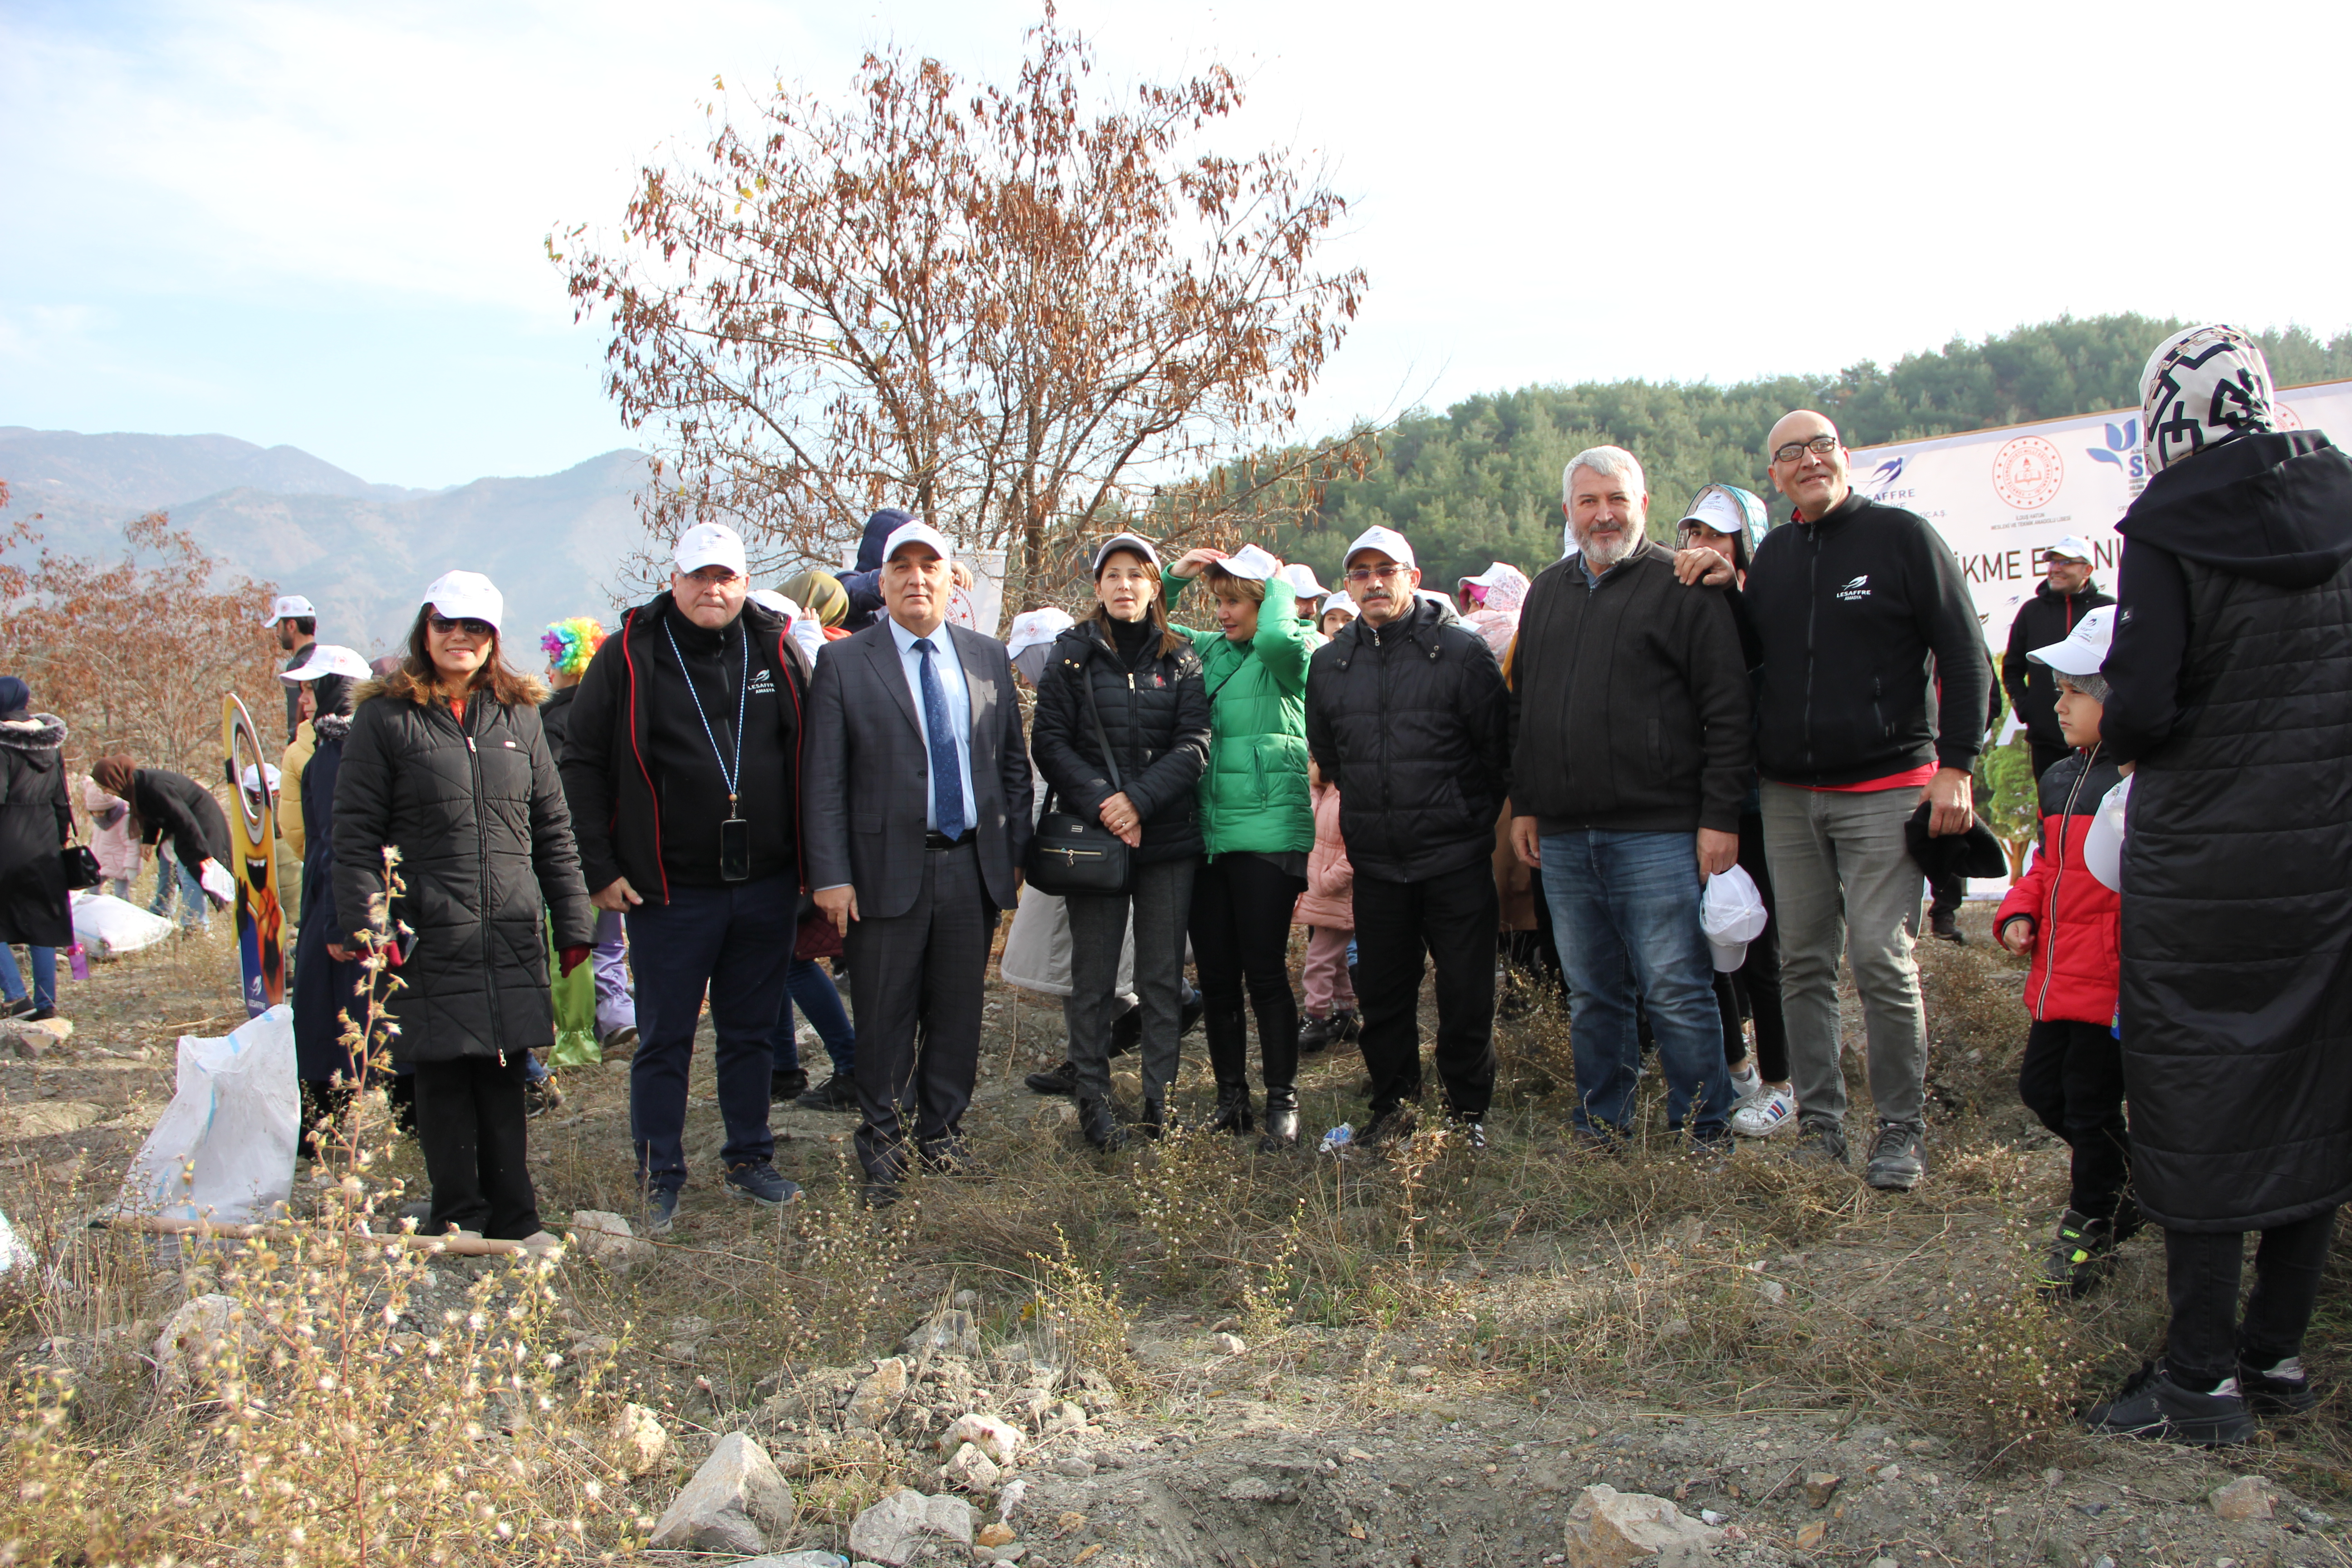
(947,784)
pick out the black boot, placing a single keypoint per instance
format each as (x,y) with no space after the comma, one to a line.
(1280,1059)
(1062,1079)
(1228,1031)
(1281,1134)
(1101,1128)
(1155,1122)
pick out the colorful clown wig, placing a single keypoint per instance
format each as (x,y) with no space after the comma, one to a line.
(571,642)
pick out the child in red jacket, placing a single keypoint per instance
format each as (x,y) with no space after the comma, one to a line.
(2072,1076)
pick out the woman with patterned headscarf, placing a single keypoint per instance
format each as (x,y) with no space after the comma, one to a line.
(2229,678)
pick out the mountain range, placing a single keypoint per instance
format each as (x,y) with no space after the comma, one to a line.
(557,545)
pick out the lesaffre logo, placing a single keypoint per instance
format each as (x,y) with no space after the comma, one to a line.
(763,683)
(2122,451)
(1857,589)
(1885,474)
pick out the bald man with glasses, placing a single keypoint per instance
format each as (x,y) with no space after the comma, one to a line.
(1872,701)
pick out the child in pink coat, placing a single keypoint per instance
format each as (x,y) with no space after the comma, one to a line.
(1329,911)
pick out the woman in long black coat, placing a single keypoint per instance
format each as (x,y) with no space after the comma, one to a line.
(36,822)
(2229,675)
(445,761)
(326,988)
(169,805)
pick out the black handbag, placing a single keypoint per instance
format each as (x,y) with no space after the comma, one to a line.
(80,863)
(1073,854)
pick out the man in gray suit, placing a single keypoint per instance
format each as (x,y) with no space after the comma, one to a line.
(918,815)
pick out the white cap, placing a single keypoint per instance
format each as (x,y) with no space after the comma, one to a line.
(1497,573)
(466,596)
(1250,562)
(290,607)
(1035,629)
(252,786)
(1134,541)
(1338,602)
(1387,541)
(769,599)
(1302,582)
(2072,548)
(916,533)
(710,545)
(1732,914)
(325,658)
(2085,647)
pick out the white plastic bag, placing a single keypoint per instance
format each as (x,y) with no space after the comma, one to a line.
(218,884)
(1037,948)
(223,1148)
(14,1253)
(109,928)
(2103,846)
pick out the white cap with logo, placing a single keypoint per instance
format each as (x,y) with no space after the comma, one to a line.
(1301,578)
(711,544)
(1257,565)
(290,607)
(1731,913)
(466,596)
(1338,602)
(2072,548)
(1387,541)
(1134,541)
(908,533)
(325,658)
(2084,648)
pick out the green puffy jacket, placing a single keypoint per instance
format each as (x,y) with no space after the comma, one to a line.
(1254,795)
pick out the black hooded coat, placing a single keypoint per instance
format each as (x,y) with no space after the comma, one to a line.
(36,822)
(863,583)
(2231,677)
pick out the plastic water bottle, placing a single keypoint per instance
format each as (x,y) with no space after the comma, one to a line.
(1338,1141)
(78,961)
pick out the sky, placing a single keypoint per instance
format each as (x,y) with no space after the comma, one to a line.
(326,224)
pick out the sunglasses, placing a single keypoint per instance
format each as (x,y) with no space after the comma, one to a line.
(444,626)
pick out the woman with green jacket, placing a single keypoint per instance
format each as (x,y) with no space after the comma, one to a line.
(1258,824)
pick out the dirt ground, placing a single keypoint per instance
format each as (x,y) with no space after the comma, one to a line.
(1255,1360)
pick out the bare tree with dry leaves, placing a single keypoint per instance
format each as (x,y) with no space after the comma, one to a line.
(1020,317)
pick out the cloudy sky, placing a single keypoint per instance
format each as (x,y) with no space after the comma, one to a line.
(324,224)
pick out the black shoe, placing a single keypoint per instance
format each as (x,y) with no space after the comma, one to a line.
(1946,923)
(2152,1406)
(1127,1031)
(1314,1035)
(1099,1126)
(41,1015)
(661,1210)
(1821,1144)
(1470,1130)
(1153,1121)
(2281,1389)
(2081,1256)
(787,1087)
(880,1194)
(541,1096)
(835,1093)
(1899,1159)
(1392,1126)
(1233,1112)
(1062,1079)
(1345,1025)
(619,1041)
(1281,1134)
(761,1184)
(17,1009)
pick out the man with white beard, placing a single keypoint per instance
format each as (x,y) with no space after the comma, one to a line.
(1629,715)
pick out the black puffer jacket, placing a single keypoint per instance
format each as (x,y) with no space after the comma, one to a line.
(555,720)
(1412,721)
(36,822)
(2231,677)
(479,816)
(1155,714)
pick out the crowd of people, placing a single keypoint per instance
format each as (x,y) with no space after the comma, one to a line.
(1697,778)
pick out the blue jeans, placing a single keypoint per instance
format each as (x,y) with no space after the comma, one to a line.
(809,985)
(735,941)
(195,909)
(1624,910)
(45,976)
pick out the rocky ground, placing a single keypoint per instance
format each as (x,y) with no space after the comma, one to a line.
(1206,1355)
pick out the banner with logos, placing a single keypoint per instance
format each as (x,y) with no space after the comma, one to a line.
(2001,498)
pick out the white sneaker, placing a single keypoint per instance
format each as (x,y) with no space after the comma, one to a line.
(1745,1085)
(1766,1114)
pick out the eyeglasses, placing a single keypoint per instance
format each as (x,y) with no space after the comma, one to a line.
(1791,451)
(707,575)
(1360,575)
(444,626)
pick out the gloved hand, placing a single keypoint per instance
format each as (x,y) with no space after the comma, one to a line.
(573,958)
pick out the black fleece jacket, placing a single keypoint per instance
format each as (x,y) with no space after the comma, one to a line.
(1629,707)
(2043,619)
(1859,617)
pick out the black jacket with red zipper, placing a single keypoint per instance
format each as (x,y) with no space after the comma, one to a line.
(641,775)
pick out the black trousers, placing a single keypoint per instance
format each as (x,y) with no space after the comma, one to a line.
(916,981)
(2201,1275)
(1451,918)
(1753,990)
(471,1128)
(2073,1080)
(1241,941)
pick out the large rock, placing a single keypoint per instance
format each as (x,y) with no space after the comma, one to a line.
(2247,1498)
(879,1394)
(606,1240)
(198,1332)
(636,1439)
(737,1502)
(951,1331)
(969,1469)
(897,1530)
(993,1436)
(34,1039)
(1610,1529)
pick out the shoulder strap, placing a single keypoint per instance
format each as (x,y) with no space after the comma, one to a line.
(1087,685)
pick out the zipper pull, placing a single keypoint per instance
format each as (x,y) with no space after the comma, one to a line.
(469,745)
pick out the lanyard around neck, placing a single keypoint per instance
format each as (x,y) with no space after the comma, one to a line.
(743,690)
